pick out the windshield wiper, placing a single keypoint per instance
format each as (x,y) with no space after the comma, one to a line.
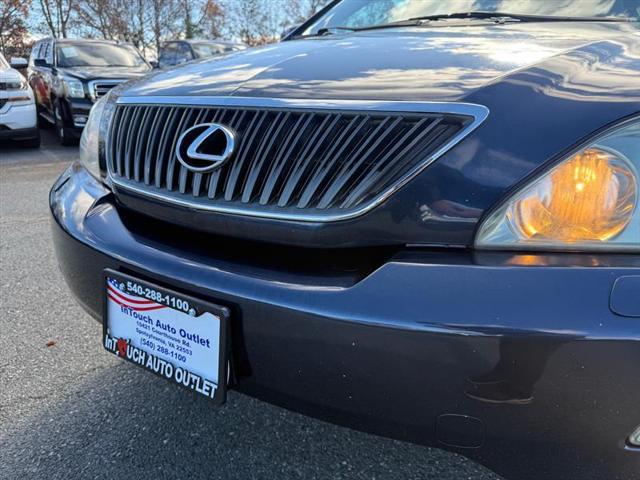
(520,17)
(495,17)
(330,31)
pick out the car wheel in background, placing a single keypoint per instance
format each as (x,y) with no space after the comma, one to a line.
(42,122)
(62,132)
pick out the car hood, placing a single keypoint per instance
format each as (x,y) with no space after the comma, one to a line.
(115,73)
(422,63)
(10,75)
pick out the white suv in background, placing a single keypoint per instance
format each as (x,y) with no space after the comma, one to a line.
(18,118)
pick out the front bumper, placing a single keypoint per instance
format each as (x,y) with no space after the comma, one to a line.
(19,134)
(75,113)
(18,122)
(394,352)
(79,112)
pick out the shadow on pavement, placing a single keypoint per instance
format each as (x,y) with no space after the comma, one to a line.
(12,152)
(120,422)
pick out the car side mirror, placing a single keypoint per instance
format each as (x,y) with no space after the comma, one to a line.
(40,62)
(18,63)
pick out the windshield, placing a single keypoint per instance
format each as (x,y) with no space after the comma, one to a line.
(98,55)
(203,50)
(365,13)
(3,62)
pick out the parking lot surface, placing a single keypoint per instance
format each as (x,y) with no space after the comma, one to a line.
(70,410)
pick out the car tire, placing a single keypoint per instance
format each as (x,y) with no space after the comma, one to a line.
(42,121)
(62,132)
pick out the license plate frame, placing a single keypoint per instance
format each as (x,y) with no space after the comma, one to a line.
(178,372)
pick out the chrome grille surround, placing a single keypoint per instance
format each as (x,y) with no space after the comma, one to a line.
(99,88)
(303,160)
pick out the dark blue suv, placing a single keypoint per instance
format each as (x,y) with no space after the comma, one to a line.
(404,218)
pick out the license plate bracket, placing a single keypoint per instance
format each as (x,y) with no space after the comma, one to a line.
(178,337)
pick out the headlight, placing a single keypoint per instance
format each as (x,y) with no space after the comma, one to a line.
(21,85)
(73,88)
(19,93)
(587,202)
(90,140)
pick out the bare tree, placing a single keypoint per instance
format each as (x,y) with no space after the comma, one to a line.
(190,29)
(140,22)
(139,40)
(255,22)
(164,20)
(147,23)
(213,18)
(13,30)
(57,14)
(315,6)
(262,21)
(101,17)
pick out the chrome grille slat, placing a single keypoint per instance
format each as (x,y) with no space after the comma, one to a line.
(121,136)
(184,173)
(307,155)
(163,146)
(290,161)
(182,179)
(112,141)
(242,155)
(144,130)
(203,117)
(283,155)
(340,144)
(172,159)
(197,177)
(268,140)
(436,135)
(149,153)
(214,177)
(370,177)
(352,165)
(128,143)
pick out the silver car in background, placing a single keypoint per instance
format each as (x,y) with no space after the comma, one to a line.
(18,117)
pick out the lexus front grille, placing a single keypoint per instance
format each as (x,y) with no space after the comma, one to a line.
(303,160)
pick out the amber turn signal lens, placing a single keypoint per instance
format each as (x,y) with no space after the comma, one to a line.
(590,197)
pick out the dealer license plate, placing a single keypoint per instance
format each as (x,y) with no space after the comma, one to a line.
(175,336)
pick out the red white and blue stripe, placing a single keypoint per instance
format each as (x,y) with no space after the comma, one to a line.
(133,302)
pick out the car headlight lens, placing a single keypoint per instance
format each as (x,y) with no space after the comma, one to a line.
(90,140)
(21,85)
(589,201)
(18,92)
(589,197)
(73,88)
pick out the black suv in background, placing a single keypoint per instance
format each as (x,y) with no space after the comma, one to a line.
(68,76)
(176,52)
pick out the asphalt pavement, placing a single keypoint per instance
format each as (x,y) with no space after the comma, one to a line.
(70,410)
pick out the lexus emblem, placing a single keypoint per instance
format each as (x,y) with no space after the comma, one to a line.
(205,147)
